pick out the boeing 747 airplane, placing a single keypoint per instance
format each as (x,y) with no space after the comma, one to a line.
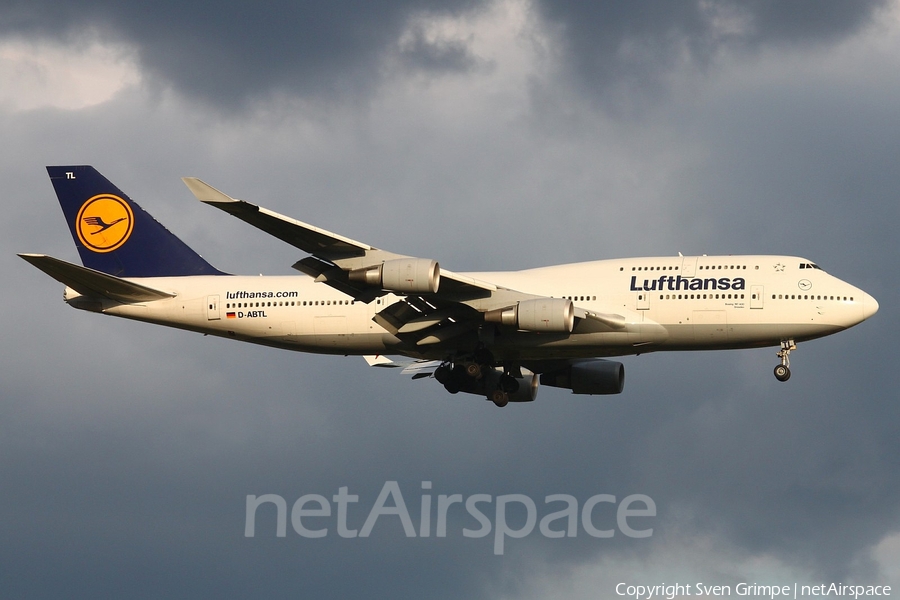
(498,335)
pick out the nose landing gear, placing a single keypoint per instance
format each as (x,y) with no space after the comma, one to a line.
(783,371)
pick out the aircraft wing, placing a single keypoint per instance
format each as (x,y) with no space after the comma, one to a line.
(333,255)
(308,238)
(437,305)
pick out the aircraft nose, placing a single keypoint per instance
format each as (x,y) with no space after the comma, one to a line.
(870,306)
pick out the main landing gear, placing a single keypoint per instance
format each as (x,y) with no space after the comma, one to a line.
(476,375)
(506,386)
(783,371)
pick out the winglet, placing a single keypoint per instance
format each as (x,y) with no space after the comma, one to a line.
(205,192)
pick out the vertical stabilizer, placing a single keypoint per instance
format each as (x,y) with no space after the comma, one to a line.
(116,236)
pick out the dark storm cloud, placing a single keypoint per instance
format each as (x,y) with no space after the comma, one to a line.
(636,43)
(226,53)
(229,53)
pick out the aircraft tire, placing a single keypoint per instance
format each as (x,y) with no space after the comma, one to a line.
(782,373)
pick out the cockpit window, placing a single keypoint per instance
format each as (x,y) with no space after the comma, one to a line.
(810,266)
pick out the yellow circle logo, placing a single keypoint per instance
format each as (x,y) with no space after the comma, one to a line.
(104,223)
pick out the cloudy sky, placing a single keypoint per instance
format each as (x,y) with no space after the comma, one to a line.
(488,135)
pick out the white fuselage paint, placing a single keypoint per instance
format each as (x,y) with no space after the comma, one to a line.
(669,303)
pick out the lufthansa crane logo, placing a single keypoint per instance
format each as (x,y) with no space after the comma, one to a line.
(104,223)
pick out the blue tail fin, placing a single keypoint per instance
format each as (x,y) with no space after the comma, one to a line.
(115,235)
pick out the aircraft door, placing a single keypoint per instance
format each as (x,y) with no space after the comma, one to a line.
(643,300)
(212,308)
(756,296)
(688,266)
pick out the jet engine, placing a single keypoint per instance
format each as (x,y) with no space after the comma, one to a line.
(526,388)
(550,315)
(406,275)
(592,376)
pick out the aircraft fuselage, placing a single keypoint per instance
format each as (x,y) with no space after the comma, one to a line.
(668,303)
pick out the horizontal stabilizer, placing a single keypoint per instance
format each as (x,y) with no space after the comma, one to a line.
(89,282)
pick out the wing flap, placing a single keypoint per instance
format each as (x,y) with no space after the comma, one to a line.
(419,369)
(427,320)
(380,360)
(89,282)
(330,274)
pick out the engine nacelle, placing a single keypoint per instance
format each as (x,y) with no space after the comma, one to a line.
(528,389)
(594,376)
(406,275)
(550,315)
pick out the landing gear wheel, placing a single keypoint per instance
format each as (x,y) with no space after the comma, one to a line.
(782,373)
(473,370)
(500,398)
